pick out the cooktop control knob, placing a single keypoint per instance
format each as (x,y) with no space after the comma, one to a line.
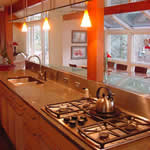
(72,123)
(74,117)
(66,119)
(81,122)
(83,117)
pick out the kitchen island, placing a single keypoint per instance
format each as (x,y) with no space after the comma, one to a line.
(29,127)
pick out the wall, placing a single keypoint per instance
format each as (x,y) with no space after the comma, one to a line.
(55,39)
(68,26)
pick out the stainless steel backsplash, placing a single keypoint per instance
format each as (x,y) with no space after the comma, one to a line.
(129,101)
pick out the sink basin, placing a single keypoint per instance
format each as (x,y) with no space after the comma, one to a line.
(24,80)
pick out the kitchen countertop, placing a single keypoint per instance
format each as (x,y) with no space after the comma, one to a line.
(53,92)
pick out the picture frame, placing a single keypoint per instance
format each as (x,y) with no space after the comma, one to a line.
(78,52)
(79,36)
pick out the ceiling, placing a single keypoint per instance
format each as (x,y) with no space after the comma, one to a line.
(6,2)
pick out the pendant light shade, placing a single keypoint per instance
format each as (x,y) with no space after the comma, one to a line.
(24,27)
(86,22)
(46,25)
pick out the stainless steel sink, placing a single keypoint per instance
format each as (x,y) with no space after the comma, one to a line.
(24,80)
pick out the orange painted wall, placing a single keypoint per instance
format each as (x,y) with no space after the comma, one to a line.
(6,34)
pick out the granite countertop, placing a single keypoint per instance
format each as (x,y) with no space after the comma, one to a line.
(53,92)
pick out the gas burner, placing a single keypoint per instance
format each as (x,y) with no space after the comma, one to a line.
(64,110)
(83,117)
(114,114)
(131,128)
(115,120)
(81,122)
(74,117)
(66,119)
(72,123)
(85,106)
(103,135)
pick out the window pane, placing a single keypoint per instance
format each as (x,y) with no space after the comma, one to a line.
(46,45)
(118,47)
(141,51)
(37,41)
(29,42)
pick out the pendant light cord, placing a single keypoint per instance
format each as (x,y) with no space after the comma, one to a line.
(26,7)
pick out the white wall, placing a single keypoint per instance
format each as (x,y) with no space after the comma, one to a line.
(68,26)
(55,40)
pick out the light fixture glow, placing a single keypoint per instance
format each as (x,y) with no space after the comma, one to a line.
(86,22)
(24,27)
(46,25)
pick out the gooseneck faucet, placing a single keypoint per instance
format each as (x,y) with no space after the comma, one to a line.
(42,75)
(38,59)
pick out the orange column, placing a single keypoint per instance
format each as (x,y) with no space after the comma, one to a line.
(96,41)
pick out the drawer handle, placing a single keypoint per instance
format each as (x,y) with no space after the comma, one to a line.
(33,118)
(34,134)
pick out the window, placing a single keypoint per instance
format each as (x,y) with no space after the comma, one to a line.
(118,46)
(37,43)
(141,48)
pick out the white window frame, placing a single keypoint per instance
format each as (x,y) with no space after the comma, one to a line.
(131,34)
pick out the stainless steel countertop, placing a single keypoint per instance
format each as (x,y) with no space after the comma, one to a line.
(53,92)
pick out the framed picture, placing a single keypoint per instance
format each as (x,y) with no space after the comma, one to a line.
(79,36)
(79,52)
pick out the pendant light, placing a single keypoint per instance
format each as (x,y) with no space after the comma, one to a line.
(24,27)
(46,25)
(86,22)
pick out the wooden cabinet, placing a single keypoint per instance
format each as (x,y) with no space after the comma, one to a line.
(26,128)
(11,123)
(4,114)
(31,139)
(19,132)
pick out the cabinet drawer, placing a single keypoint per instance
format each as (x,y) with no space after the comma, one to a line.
(31,118)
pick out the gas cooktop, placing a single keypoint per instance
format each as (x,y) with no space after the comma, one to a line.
(98,130)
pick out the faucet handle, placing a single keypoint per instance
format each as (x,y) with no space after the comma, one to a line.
(45,75)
